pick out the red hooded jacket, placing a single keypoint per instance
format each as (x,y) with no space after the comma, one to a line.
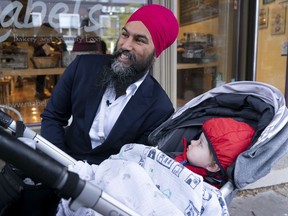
(227,139)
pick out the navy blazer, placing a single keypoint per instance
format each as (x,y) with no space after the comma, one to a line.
(78,93)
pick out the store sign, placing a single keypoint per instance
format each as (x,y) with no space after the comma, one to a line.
(9,16)
(118,9)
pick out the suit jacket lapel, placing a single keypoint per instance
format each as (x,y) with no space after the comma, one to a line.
(142,99)
(92,103)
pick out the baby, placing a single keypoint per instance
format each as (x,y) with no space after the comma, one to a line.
(219,144)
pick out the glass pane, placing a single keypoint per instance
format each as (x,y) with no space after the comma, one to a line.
(203,47)
(272,43)
(38,40)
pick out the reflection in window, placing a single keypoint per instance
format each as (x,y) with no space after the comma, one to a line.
(36,19)
(82,22)
(69,22)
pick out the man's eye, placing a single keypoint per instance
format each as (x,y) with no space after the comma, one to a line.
(124,34)
(141,40)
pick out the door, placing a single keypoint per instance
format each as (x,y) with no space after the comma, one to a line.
(272,44)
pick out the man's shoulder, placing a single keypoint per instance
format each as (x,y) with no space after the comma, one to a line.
(152,84)
(95,58)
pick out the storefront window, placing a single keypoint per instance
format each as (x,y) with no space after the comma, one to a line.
(273,44)
(39,38)
(199,68)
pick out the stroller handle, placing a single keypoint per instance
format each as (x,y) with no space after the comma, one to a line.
(34,164)
(42,144)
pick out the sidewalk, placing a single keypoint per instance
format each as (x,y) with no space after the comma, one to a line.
(266,197)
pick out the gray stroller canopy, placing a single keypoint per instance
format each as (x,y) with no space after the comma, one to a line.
(258,104)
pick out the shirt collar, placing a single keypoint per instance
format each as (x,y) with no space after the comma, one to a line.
(134,86)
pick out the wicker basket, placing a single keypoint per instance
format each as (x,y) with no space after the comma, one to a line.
(45,62)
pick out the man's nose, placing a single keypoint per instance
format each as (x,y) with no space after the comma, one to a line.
(127,44)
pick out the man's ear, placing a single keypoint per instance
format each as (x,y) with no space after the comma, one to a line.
(213,167)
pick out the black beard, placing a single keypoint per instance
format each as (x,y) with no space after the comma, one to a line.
(120,76)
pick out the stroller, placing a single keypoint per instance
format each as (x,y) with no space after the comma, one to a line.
(258,104)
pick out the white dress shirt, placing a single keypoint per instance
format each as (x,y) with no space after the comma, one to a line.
(109,111)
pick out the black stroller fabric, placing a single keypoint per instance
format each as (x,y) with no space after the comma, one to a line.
(33,201)
(258,104)
(21,199)
(245,108)
(18,198)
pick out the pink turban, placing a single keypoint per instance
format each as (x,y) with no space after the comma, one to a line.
(160,22)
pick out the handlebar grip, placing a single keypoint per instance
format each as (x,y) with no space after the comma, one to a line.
(5,119)
(35,165)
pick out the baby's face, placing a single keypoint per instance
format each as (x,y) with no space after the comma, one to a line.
(198,152)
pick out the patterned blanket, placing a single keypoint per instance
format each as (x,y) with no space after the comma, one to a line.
(151,183)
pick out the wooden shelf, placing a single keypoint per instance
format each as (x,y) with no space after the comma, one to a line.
(191,66)
(31,71)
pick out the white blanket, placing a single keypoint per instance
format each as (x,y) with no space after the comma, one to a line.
(151,183)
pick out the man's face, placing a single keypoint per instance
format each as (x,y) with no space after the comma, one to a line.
(135,47)
(133,57)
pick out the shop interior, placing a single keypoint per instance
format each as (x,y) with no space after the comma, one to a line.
(21,66)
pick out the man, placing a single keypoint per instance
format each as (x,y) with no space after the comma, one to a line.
(113,100)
